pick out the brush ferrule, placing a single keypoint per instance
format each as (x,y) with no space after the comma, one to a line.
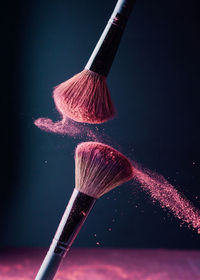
(103,55)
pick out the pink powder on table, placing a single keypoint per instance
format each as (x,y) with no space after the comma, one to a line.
(105,264)
(162,191)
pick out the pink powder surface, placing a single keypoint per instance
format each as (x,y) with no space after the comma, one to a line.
(162,191)
(105,264)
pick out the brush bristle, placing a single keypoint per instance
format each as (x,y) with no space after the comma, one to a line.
(100,168)
(85,98)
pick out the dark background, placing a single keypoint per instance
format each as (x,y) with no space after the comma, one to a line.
(154,83)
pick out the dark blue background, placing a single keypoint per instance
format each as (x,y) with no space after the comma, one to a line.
(154,83)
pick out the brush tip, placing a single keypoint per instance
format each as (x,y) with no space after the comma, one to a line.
(100,168)
(85,98)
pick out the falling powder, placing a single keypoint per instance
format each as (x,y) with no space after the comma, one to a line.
(162,191)
(157,186)
(69,127)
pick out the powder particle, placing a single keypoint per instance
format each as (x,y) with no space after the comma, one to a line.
(68,127)
(162,191)
(158,187)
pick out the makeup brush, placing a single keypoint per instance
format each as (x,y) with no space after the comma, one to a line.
(85,97)
(98,169)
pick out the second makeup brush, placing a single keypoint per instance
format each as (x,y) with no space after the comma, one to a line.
(85,97)
(98,169)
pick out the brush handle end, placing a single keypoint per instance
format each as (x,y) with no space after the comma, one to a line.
(49,266)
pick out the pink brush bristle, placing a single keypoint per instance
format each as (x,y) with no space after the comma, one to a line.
(84,98)
(100,168)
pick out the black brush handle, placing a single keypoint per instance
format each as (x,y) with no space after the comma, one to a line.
(103,55)
(74,216)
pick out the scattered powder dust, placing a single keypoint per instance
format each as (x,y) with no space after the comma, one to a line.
(162,191)
(155,185)
(68,127)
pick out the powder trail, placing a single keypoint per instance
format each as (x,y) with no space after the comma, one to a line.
(162,191)
(155,185)
(69,127)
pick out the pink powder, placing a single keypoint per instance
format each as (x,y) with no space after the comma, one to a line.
(84,99)
(162,191)
(157,186)
(105,264)
(68,127)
